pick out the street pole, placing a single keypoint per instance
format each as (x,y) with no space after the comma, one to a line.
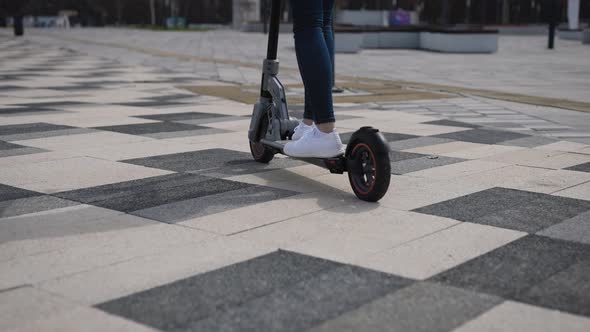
(553,18)
(18,25)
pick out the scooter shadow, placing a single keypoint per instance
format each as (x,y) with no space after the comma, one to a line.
(326,195)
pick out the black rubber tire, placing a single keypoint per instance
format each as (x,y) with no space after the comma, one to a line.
(369,151)
(261,153)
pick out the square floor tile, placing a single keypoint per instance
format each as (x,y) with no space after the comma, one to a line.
(280,291)
(483,136)
(580,168)
(182,116)
(452,123)
(417,142)
(10,131)
(8,193)
(576,229)
(190,208)
(509,208)
(568,290)
(215,162)
(421,162)
(514,316)
(437,252)
(26,205)
(420,307)
(73,173)
(148,193)
(151,128)
(512,270)
(390,137)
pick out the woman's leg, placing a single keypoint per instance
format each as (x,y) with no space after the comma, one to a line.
(313,56)
(328,33)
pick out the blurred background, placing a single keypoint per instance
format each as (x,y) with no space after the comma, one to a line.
(248,15)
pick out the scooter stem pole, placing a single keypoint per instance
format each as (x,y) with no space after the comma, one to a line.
(273,32)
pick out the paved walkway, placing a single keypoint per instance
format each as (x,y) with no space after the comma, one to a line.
(129,204)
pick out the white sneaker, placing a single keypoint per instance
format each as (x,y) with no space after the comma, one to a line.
(300,130)
(315,144)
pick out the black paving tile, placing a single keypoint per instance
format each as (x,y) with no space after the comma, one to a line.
(202,206)
(182,116)
(513,270)
(537,214)
(476,205)
(482,136)
(580,168)
(9,193)
(30,128)
(9,146)
(137,195)
(26,110)
(451,123)
(568,290)
(281,291)
(26,205)
(219,162)
(508,208)
(422,306)
(390,137)
(151,128)
(395,156)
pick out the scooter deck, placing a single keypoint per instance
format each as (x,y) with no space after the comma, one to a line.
(334,165)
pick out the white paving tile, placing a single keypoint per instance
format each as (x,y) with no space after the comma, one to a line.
(515,316)
(432,254)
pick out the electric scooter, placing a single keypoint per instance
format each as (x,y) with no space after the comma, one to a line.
(366,158)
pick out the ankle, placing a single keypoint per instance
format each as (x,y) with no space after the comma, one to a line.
(326,127)
(308,122)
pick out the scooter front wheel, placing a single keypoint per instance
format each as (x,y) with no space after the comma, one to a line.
(369,168)
(261,153)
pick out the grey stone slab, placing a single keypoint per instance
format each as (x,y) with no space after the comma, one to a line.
(395,156)
(219,162)
(20,151)
(187,133)
(535,215)
(179,305)
(43,134)
(54,104)
(151,128)
(9,146)
(529,142)
(417,142)
(202,206)
(568,290)
(580,168)
(20,206)
(153,103)
(122,189)
(390,137)
(421,163)
(512,270)
(307,303)
(483,136)
(576,229)
(28,128)
(422,306)
(138,195)
(452,123)
(182,116)
(9,193)
(474,206)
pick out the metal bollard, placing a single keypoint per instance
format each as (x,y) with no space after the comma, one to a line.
(18,25)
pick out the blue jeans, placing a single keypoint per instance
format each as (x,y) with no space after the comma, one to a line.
(314,46)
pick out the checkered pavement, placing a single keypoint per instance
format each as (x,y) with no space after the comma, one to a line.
(129,204)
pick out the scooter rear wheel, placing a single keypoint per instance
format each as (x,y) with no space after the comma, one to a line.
(369,168)
(261,153)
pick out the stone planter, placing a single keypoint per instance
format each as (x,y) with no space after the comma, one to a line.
(459,42)
(570,34)
(399,39)
(348,42)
